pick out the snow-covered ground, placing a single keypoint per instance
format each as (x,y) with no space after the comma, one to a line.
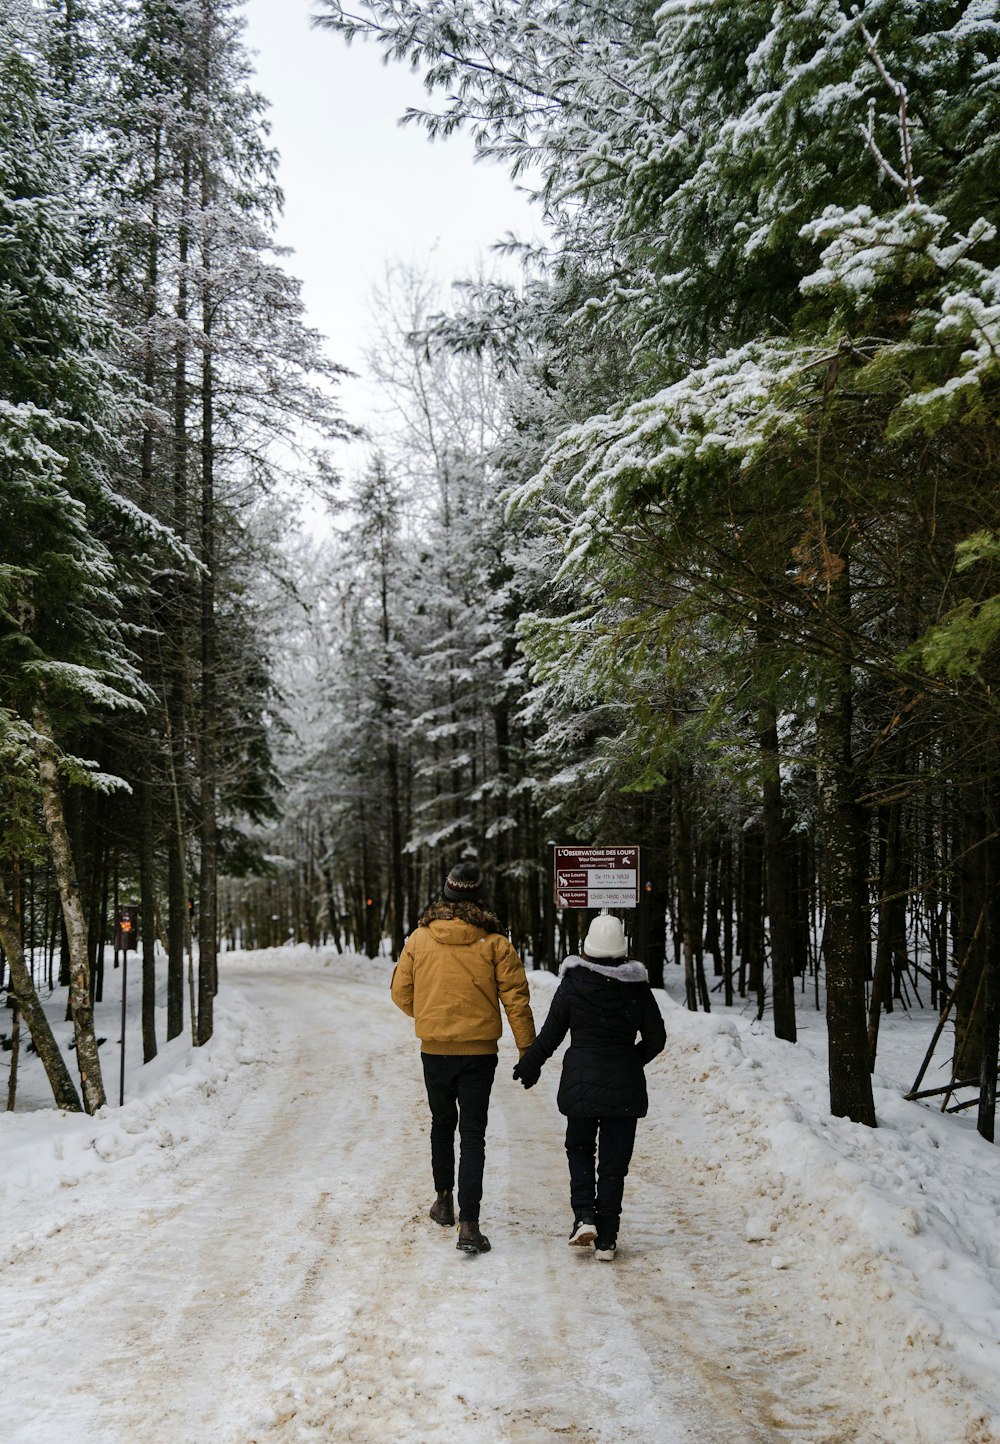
(242,1252)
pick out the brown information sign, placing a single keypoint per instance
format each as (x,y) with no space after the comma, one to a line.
(596,877)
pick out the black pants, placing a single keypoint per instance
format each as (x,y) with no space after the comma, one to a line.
(458,1090)
(612,1141)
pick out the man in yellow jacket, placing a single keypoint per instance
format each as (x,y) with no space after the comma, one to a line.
(455,971)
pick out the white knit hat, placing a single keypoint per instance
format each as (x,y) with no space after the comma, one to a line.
(605,938)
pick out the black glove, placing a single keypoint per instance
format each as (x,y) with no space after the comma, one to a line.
(526,1073)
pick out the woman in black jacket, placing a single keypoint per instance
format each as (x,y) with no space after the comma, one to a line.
(603,1001)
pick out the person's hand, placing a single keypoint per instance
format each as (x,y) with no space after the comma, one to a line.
(527,1074)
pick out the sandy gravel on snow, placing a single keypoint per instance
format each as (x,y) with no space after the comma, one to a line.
(279,1280)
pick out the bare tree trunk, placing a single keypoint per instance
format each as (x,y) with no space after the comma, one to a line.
(850,1080)
(776,875)
(15,1053)
(986,1122)
(91,857)
(970,935)
(54,817)
(396,862)
(74,917)
(177,913)
(147,928)
(15,1016)
(178,920)
(655,901)
(685,894)
(752,910)
(21,986)
(713,940)
(208,831)
(102,930)
(726,867)
(885,948)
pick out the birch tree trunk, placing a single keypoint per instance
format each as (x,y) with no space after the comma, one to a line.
(81,1007)
(27,1000)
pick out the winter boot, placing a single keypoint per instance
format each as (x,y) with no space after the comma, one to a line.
(443,1208)
(470,1240)
(584,1231)
(604,1249)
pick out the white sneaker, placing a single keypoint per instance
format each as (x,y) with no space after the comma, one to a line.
(584,1233)
(605,1251)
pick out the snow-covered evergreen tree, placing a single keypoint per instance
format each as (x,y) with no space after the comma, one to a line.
(781,214)
(65,407)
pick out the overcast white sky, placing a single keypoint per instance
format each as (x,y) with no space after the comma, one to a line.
(361,190)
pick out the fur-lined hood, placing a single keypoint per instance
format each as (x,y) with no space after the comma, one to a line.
(627,971)
(467,912)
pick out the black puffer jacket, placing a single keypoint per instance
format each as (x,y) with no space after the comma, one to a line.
(602,1005)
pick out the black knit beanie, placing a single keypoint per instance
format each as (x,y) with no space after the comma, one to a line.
(464,883)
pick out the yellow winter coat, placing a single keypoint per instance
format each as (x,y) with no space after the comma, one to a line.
(453,974)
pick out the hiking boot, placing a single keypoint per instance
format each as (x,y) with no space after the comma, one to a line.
(604,1249)
(443,1208)
(584,1231)
(470,1240)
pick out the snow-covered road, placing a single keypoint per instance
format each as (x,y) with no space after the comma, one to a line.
(267,1272)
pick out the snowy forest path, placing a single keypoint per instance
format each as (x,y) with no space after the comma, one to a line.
(283,1282)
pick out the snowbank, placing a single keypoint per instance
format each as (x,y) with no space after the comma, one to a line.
(895,1229)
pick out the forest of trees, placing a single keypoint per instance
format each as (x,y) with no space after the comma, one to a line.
(155,360)
(688,537)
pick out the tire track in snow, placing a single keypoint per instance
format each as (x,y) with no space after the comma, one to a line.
(534,1342)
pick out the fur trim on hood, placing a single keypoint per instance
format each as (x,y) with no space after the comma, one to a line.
(630,971)
(466,912)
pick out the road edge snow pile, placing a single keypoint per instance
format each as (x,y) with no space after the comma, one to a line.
(47,1153)
(896,1225)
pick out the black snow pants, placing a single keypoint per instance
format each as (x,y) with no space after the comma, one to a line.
(458,1091)
(612,1141)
